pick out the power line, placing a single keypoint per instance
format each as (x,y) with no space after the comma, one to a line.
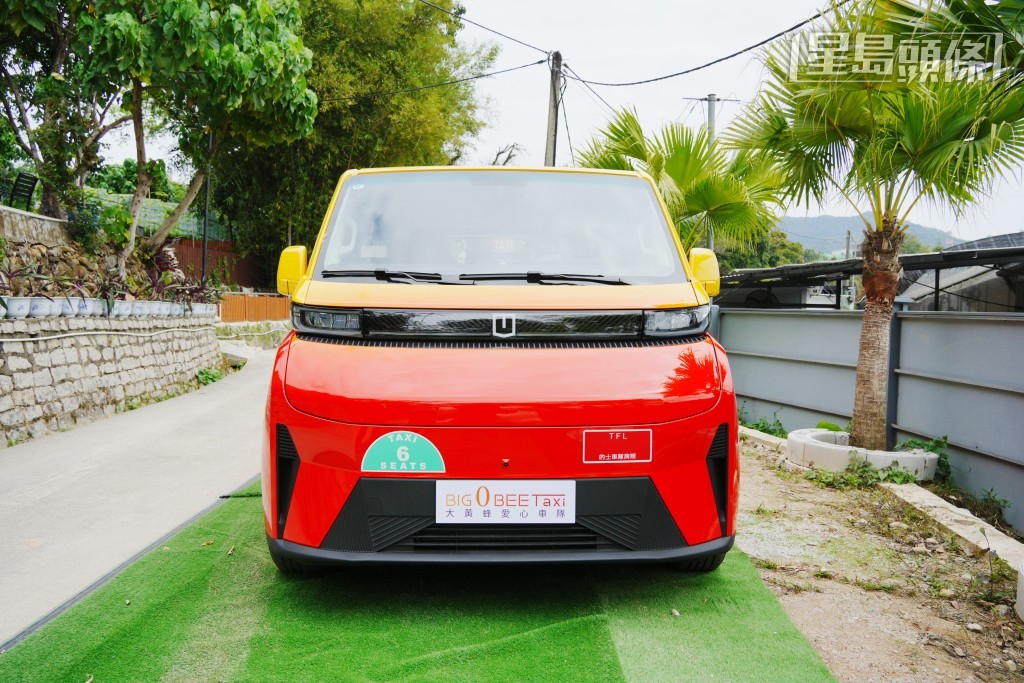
(587,86)
(565,117)
(762,43)
(439,85)
(497,33)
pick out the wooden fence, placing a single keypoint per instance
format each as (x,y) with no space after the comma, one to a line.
(236,308)
(220,257)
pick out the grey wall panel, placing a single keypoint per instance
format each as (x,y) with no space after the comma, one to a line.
(980,348)
(805,385)
(797,366)
(981,419)
(960,375)
(818,335)
(791,417)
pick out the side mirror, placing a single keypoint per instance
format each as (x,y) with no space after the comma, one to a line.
(704,265)
(290,269)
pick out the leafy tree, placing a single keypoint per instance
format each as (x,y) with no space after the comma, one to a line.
(363,51)
(814,256)
(12,156)
(937,140)
(912,244)
(764,251)
(944,21)
(220,71)
(703,187)
(56,118)
(121,179)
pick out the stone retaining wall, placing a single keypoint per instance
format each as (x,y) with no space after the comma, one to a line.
(25,226)
(51,385)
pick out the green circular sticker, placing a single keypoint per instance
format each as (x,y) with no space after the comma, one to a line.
(402,452)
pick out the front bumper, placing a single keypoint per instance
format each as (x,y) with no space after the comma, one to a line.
(319,556)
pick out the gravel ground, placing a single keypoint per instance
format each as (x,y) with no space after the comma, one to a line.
(881,592)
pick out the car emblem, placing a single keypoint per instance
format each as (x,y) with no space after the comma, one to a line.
(504,325)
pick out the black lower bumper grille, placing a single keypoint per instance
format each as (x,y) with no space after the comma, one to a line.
(397,516)
(452,538)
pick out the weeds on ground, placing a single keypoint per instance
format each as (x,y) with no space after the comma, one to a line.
(209,376)
(988,506)
(938,446)
(762,424)
(860,474)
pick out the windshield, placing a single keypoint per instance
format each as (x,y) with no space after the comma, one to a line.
(427,226)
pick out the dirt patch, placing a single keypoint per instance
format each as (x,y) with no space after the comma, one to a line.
(884,594)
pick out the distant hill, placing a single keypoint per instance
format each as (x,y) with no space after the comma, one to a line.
(828,233)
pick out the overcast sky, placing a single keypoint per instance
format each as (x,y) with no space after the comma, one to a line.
(614,41)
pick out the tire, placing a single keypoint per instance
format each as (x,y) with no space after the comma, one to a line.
(701,565)
(286,565)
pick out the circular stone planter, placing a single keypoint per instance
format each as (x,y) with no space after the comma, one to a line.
(823,449)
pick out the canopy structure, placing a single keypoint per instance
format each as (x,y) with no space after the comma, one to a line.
(759,287)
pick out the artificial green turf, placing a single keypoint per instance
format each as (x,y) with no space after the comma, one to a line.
(199,614)
(730,626)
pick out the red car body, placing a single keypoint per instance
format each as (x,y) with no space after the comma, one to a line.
(645,429)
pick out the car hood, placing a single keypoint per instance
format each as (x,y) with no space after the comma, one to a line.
(481,385)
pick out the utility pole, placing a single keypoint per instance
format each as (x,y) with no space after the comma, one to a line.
(206,215)
(847,244)
(850,286)
(712,98)
(555,96)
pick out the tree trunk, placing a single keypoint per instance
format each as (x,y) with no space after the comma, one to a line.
(50,204)
(161,234)
(880,251)
(145,180)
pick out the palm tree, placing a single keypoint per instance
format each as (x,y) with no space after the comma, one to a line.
(704,189)
(948,20)
(887,148)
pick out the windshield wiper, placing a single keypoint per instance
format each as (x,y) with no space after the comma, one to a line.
(385,275)
(543,278)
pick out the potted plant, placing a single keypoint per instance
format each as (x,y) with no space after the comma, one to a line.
(72,297)
(14,300)
(112,291)
(37,285)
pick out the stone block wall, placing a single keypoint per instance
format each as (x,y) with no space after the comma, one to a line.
(78,369)
(25,226)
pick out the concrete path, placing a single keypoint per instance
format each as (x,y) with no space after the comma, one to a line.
(76,505)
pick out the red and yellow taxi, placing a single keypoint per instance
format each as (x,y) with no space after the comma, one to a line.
(494,365)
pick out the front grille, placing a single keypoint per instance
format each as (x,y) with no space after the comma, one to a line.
(456,538)
(499,344)
(397,515)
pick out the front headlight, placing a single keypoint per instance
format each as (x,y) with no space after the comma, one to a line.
(332,321)
(677,322)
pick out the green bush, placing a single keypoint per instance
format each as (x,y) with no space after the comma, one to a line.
(831,426)
(209,376)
